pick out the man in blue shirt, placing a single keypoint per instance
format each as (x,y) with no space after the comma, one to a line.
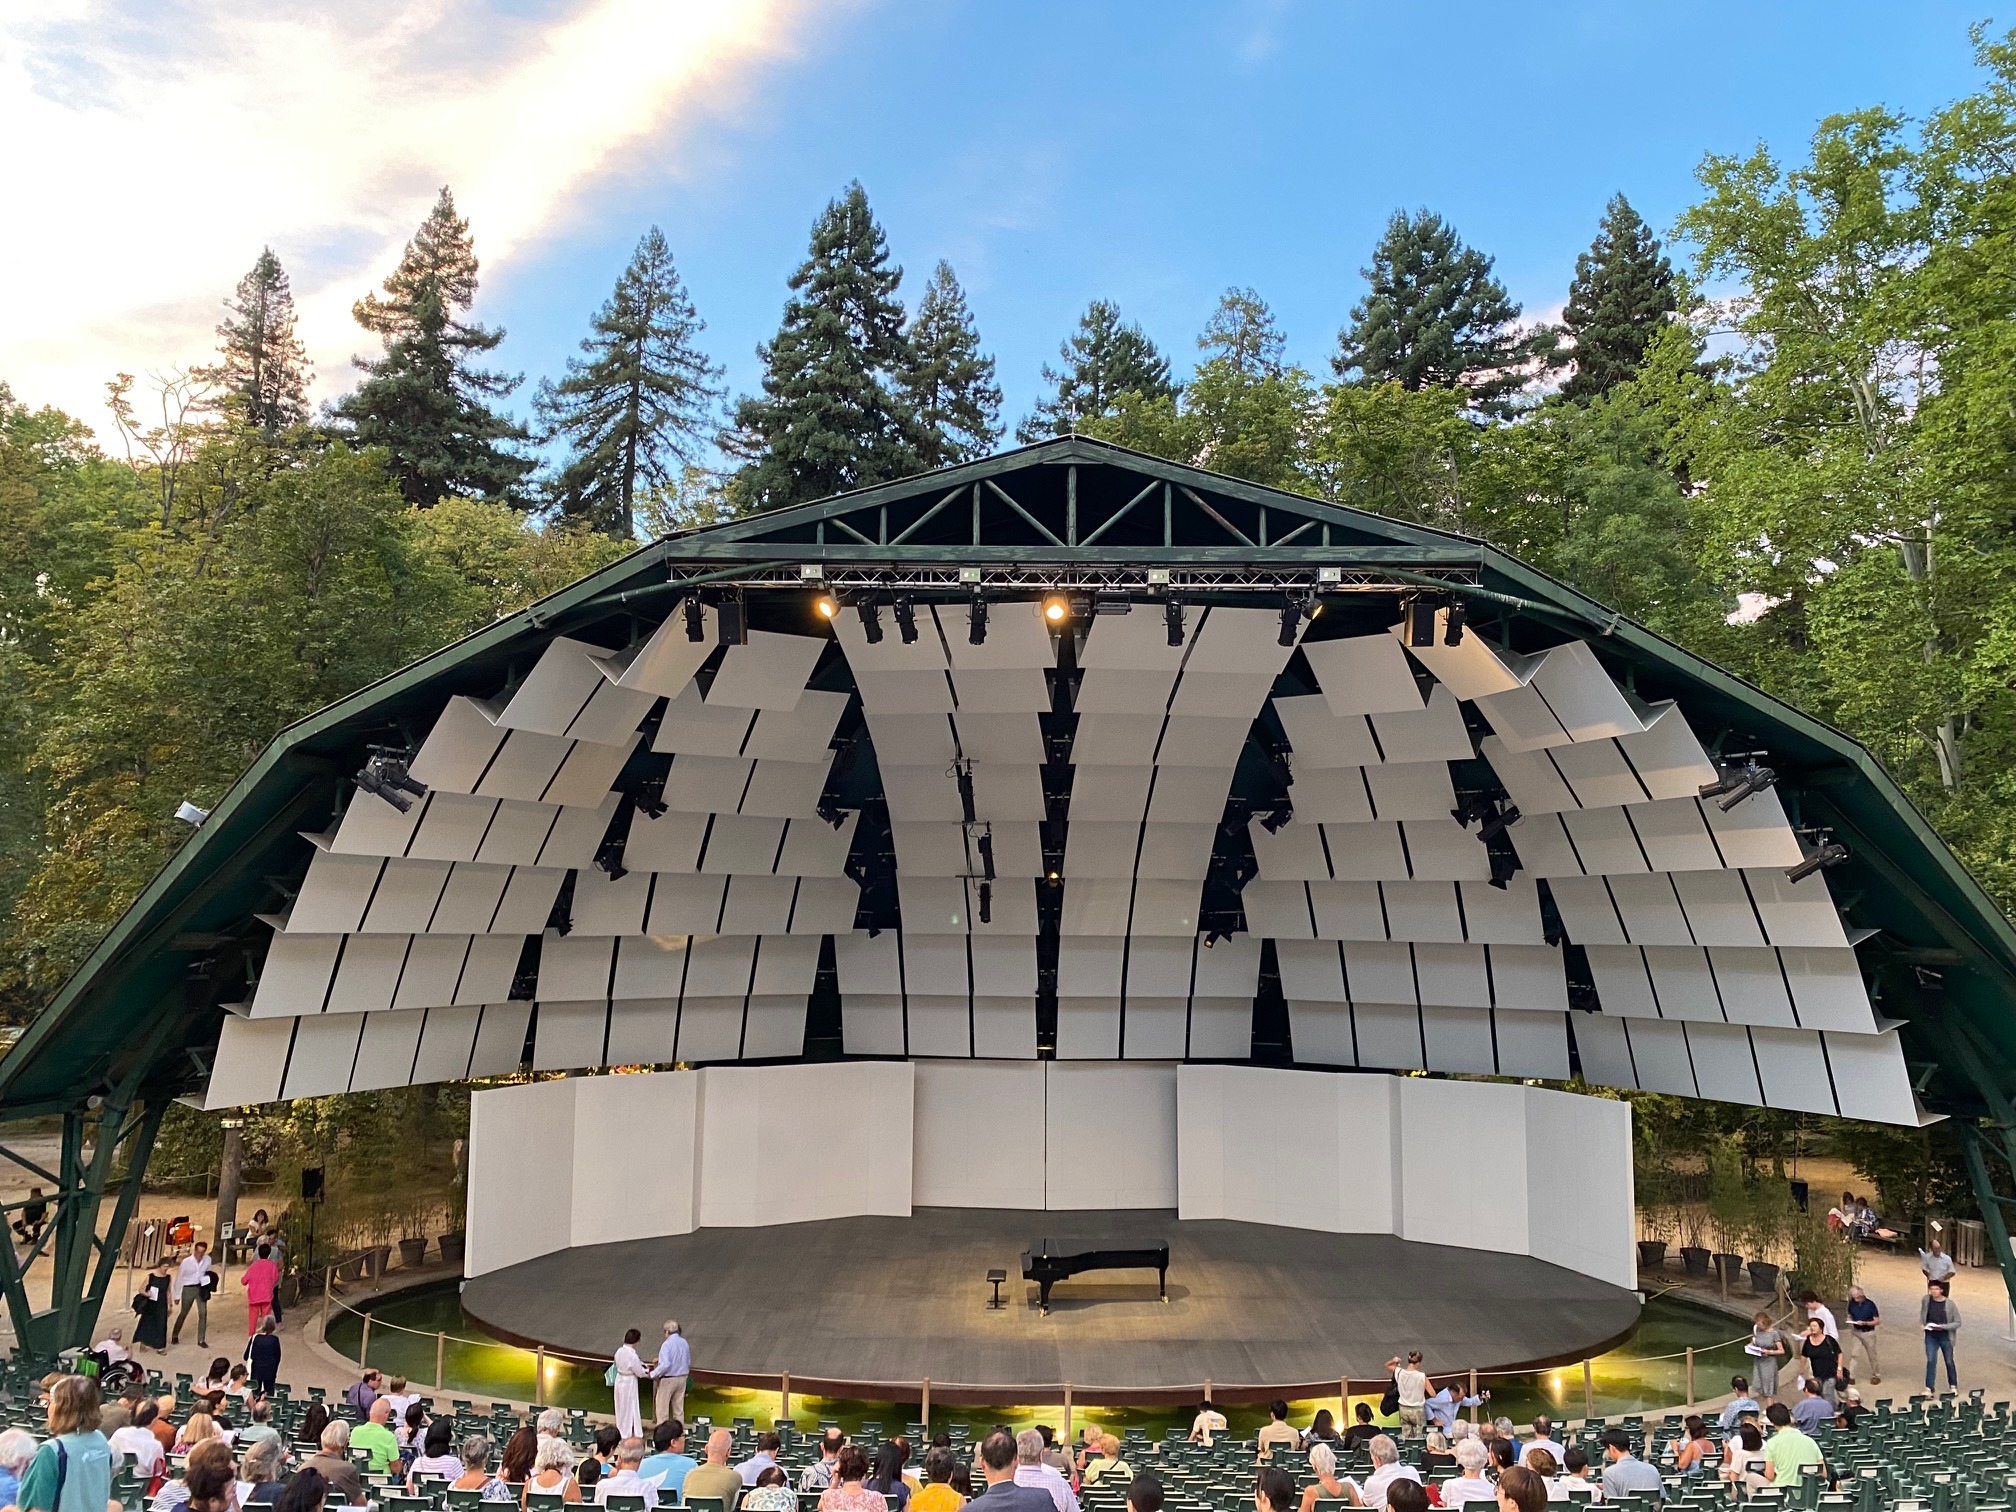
(1860,1339)
(675,1363)
(1446,1403)
(671,1462)
(1624,1472)
(1741,1405)
(1812,1409)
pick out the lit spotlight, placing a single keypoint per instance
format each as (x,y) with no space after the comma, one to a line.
(1056,608)
(827,605)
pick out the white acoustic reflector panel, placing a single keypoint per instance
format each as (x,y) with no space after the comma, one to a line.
(1472,668)
(1321,739)
(690,726)
(1199,740)
(768,671)
(1434,733)
(1136,642)
(1366,674)
(803,732)
(566,694)
(904,692)
(458,750)
(665,663)
(1001,690)
(1293,853)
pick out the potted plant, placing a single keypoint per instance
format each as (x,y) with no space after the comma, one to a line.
(1694,1251)
(1729,1206)
(1655,1183)
(452,1240)
(1764,1234)
(1824,1261)
(413,1235)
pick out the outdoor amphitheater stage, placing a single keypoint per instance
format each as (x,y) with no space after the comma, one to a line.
(851,1305)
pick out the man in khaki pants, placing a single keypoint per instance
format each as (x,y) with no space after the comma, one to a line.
(675,1363)
(1860,1338)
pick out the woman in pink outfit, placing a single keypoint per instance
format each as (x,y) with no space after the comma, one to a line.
(261,1280)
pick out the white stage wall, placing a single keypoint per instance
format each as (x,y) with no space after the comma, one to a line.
(1477,1165)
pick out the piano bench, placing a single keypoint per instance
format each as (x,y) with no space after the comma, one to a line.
(995,1278)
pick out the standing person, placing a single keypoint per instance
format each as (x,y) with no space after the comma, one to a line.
(1935,1262)
(262,1354)
(34,1214)
(625,1371)
(150,1309)
(72,1471)
(668,1376)
(192,1289)
(1410,1386)
(1940,1315)
(1767,1346)
(261,1280)
(1822,1357)
(1864,1318)
(1815,1308)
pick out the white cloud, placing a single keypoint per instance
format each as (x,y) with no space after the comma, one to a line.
(155,147)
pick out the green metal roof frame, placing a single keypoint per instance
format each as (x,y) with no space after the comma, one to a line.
(1945,958)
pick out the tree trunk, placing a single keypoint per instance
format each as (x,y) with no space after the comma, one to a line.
(227,1184)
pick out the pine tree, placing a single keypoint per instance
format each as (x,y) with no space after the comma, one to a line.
(1243,333)
(425,401)
(950,381)
(1434,315)
(263,370)
(1622,292)
(832,415)
(638,405)
(1103,360)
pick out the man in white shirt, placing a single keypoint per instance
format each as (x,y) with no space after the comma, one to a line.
(191,1288)
(1542,1429)
(1386,1469)
(136,1441)
(626,1481)
(1030,1470)
(1209,1421)
(113,1348)
(1815,1308)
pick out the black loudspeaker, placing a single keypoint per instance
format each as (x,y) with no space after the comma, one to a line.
(311,1183)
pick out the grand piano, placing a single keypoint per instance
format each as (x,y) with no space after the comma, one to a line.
(1047,1269)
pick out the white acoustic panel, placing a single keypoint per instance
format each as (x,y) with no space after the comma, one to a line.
(1331,795)
(1649,908)
(1364,674)
(1322,1033)
(1604,1046)
(907,691)
(1795,913)
(1388,1036)
(1088,1028)
(736,843)
(1320,739)
(824,905)
(665,662)
(1667,756)
(251,1060)
(1379,973)
(1004,1028)
(999,739)
(1127,1114)
(1442,850)
(566,694)
(691,726)
(938,1023)
(871,1023)
(1188,794)
(1755,832)
(758,905)
(711,1027)
(1870,1078)
(1222,694)
(1584,697)
(334,894)
(525,906)
(1239,640)
(1532,978)
(1357,852)
(1683,984)
(1434,733)
(525,765)
(325,1050)
(1200,740)
(670,843)
(368,974)
(1111,794)
(1295,853)
(1017,636)
(406,897)
(1357,910)
(1531,1044)
(1459,1040)
(1411,790)
(1792,1065)
(1221,1028)
(1531,779)
(1001,690)
(386,1051)
(720,966)
(1009,793)
(458,749)
(1605,841)
(1229,968)
(1116,690)
(1724,1067)
(1280,910)
(773,1027)
(1175,851)
(1131,643)
(500,1039)
(917,793)
(1752,986)
(1165,907)
(1827,989)
(1472,667)
(610,906)
(1718,907)
(447,1039)
(1599,774)
(1659,1052)
(768,671)
(707,784)
(1452,976)
(590,767)
(295,976)
(964,1105)
(433,967)
(1623,985)
(1543,847)
(575,968)
(814,848)
(1674,836)
(1508,915)
(1116,739)
(372,827)
(1313,971)
(803,732)
(649,968)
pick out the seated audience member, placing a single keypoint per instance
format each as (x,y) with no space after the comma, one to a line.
(261,1475)
(938,1494)
(1435,1457)
(999,1464)
(1623,1472)
(1543,1438)
(1576,1472)
(553,1470)
(1741,1404)
(400,1396)
(772,1492)
(1322,1426)
(1363,1431)
(625,1481)
(1812,1409)
(1032,1470)
(138,1443)
(1329,1486)
(197,1428)
(1386,1469)
(1788,1448)
(309,1430)
(476,1476)
(1743,1457)
(209,1460)
(714,1477)
(885,1477)
(669,1464)
(1273,1490)
(437,1457)
(1208,1423)
(1544,1465)
(1696,1449)
(1522,1490)
(767,1445)
(332,1460)
(1408,1496)
(818,1475)
(1850,1409)
(602,1458)
(1276,1431)
(375,1437)
(1144,1494)
(848,1493)
(520,1450)
(1106,1467)
(1471,1484)
(306,1492)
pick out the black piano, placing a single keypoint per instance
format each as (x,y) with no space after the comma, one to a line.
(1046,1269)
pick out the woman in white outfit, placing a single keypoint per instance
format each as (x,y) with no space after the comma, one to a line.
(629,1371)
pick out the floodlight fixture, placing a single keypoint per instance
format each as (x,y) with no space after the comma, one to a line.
(986,848)
(986,902)
(1833,853)
(871,618)
(1056,608)
(1172,616)
(1737,783)
(906,618)
(696,618)
(1277,817)
(827,605)
(976,621)
(1499,822)
(189,814)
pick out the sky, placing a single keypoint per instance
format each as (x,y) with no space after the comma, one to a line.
(1153,154)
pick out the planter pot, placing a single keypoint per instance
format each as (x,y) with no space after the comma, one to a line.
(351,1269)
(1763,1278)
(378,1260)
(451,1248)
(412,1252)
(1731,1267)
(1695,1258)
(1651,1254)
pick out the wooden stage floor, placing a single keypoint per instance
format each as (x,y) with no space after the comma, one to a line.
(864,1301)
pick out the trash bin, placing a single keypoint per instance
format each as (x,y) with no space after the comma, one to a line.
(1799,1193)
(1970,1242)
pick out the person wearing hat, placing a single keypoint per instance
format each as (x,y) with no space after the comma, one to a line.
(1849,1408)
(675,1363)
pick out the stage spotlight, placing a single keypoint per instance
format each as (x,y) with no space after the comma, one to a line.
(1214,935)
(1293,610)
(1737,784)
(1056,608)
(1499,822)
(963,775)
(827,605)
(1420,621)
(1502,868)
(871,618)
(696,618)
(609,858)
(1277,816)
(906,619)
(986,903)
(1172,616)
(830,813)
(987,852)
(385,776)
(731,620)
(976,622)
(1833,853)
(1452,623)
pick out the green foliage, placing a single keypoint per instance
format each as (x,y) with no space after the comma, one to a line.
(1823,1261)
(950,381)
(1622,294)
(638,403)
(1915,1171)
(834,414)
(1434,315)
(262,367)
(425,401)
(1104,361)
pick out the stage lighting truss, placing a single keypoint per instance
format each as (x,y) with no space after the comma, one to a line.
(385,776)
(1023,580)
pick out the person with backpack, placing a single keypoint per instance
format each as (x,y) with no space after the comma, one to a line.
(72,1471)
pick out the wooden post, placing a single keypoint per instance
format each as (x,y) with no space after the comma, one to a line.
(924,1410)
(539,1376)
(1588,1392)
(1472,1392)
(364,1344)
(328,1290)
(440,1360)
(1067,1412)
(1690,1377)
(1344,1400)
(784,1405)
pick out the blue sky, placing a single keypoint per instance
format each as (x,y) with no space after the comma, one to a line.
(1151,154)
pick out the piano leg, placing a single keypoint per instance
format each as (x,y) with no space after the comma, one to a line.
(1162,1282)
(1044,1287)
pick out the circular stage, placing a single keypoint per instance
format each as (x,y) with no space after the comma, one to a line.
(852,1306)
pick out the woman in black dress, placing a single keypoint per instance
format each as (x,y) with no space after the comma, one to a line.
(150,1307)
